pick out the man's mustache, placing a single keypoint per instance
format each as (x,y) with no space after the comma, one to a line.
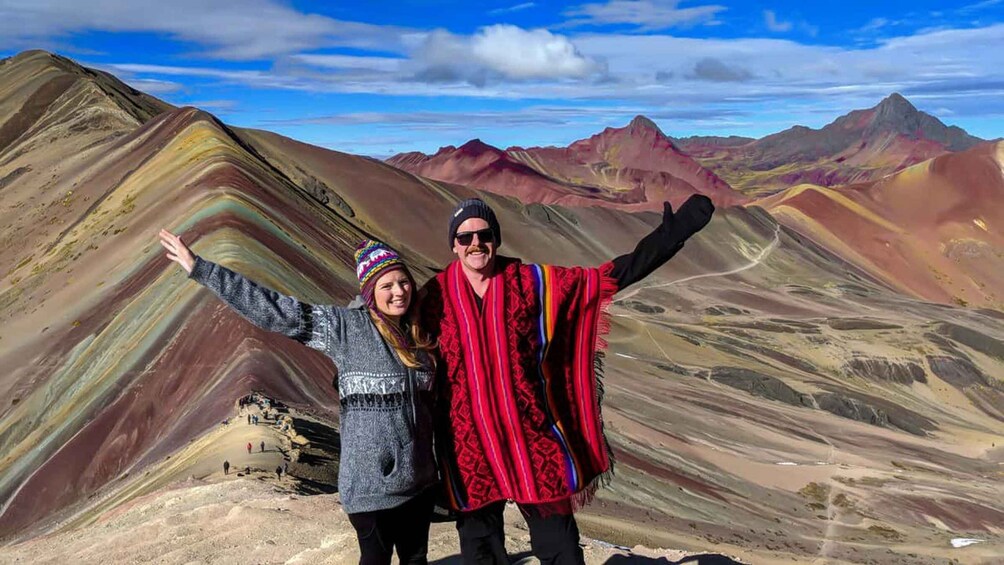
(480,248)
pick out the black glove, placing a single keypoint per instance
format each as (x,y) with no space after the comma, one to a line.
(691,218)
(659,246)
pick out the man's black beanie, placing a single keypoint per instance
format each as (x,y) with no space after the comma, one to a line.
(474,208)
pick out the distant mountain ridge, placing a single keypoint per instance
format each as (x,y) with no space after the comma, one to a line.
(635,167)
(860,146)
(712,140)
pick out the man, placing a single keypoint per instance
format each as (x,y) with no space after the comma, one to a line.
(520,417)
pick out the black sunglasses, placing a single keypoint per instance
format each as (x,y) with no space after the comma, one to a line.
(484,236)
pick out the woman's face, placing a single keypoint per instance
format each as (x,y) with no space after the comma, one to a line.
(392,293)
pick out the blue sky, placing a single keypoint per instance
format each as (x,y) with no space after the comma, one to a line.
(382,77)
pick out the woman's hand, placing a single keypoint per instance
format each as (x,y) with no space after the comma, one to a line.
(177,251)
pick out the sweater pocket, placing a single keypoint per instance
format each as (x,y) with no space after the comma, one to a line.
(398,468)
(369,472)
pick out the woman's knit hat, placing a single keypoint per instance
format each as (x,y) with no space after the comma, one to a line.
(373,259)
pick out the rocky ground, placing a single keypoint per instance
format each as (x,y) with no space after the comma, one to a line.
(251,515)
(257,519)
(186,510)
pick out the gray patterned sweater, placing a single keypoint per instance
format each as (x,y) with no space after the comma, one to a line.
(386,408)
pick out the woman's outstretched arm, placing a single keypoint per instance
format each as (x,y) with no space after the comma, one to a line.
(260,305)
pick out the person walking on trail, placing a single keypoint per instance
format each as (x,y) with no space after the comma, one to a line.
(385,378)
(226,467)
(263,447)
(520,351)
(249,419)
(278,472)
(249,448)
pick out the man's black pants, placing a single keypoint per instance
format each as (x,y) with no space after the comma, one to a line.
(405,527)
(554,536)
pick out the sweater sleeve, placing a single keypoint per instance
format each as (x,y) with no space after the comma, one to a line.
(309,324)
(651,253)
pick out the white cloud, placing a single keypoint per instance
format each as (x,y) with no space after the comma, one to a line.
(511,9)
(154,86)
(214,105)
(503,51)
(773,24)
(973,44)
(912,59)
(228,29)
(257,79)
(940,68)
(935,66)
(550,117)
(384,64)
(522,54)
(979,6)
(809,29)
(493,55)
(647,15)
(874,24)
(714,70)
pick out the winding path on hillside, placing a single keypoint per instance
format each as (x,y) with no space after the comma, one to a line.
(767,250)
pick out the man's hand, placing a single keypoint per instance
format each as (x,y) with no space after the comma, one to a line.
(667,216)
(659,246)
(690,218)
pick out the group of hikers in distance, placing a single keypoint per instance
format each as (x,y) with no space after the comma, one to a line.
(479,389)
(279,469)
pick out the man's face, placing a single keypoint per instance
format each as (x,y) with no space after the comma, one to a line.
(475,245)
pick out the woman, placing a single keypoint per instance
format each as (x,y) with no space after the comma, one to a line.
(385,378)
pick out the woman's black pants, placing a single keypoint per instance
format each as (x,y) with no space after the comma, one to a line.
(405,528)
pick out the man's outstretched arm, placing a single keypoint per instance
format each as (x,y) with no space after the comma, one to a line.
(665,241)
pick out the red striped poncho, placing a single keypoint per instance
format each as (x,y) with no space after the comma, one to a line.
(520,392)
